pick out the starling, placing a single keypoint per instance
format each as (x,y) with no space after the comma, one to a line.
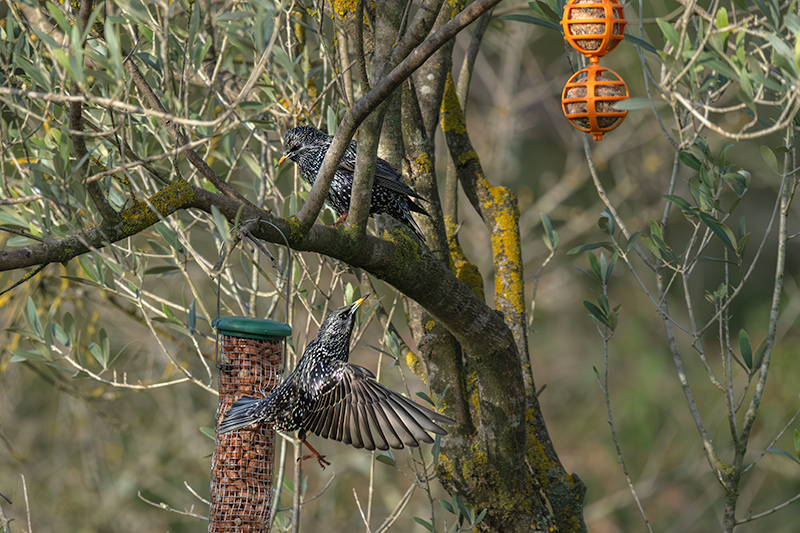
(334,399)
(307,147)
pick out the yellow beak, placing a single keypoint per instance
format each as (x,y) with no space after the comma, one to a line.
(358,302)
(281,160)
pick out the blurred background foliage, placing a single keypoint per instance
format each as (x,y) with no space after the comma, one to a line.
(107,368)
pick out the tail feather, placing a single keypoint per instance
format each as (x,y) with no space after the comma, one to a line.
(417,208)
(245,412)
(409,222)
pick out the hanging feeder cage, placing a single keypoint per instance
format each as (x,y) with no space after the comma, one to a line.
(589,97)
(250,359)
(593,27)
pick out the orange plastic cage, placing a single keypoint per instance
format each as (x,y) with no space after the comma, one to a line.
(589,97)
(593,27)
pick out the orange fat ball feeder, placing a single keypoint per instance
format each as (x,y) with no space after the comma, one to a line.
(594,28)
(589,97)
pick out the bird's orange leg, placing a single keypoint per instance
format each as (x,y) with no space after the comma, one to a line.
(316,454)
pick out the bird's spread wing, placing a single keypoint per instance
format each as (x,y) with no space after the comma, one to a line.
(359,411)
(386,176)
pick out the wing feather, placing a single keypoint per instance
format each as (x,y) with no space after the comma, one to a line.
(386,176)
(358,410)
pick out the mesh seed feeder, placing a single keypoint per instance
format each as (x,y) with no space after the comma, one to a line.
(593,27)
(589,97)
(250,360)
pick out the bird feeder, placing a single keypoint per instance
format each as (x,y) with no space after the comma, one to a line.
(589,97)
(250,359)
(593,27)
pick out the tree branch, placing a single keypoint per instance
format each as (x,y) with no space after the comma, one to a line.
(361,197)
(498,208)
(76,130)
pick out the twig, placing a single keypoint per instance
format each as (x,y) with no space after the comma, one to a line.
(112,103)
(768,512)
(21,199)
(171,509)
(27,504)
(401,505)
(298,478)
(322,490)
(172,360)
(27,277)
(278,482)
(359,43)
(190,489)
(605,334)
(361,511)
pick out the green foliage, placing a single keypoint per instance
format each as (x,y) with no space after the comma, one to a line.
(550,236)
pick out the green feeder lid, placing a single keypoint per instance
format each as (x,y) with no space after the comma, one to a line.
(252,328)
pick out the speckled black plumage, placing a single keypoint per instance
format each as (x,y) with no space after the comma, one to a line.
(307,147)
(328,396)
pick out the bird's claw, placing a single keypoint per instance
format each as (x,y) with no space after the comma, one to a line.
(320,459)
(314,453)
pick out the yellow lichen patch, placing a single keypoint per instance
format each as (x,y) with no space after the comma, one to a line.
(164,202)
(429,325)
(456,5)
(474,397)
(423,163)
(541,464)
(413,362)
(452,115)
(506,247)
(444,468)
(295,230)
(406,249)
(343,7)
(470,276)
(464,270)
(467,157)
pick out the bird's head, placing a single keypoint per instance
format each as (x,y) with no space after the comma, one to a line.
(338,325)
(297,141)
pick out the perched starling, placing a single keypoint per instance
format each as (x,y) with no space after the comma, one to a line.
(307,147)
(334,399)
